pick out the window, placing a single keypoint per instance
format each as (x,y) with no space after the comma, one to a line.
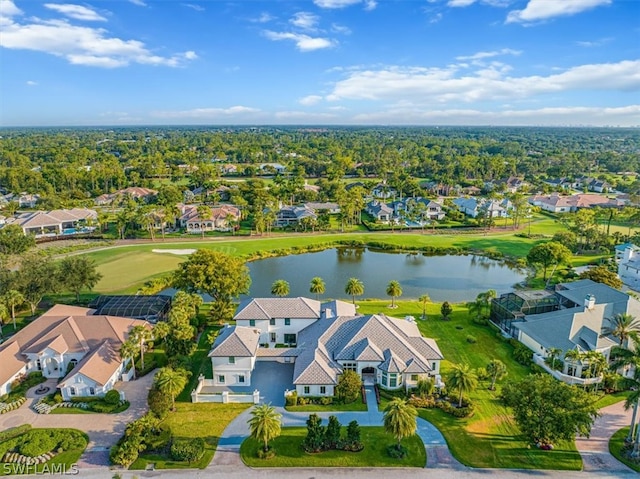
(252,322)
(384,378)
(221,378)
(350,367)
(323,389)
(272,337)
(39,365)
(232,360)
(414,377)
(307,389)
(272,322)
(287,321)
(393,380)
(434,366)
(290,338)
(241,378)
(92,391)
(72,391)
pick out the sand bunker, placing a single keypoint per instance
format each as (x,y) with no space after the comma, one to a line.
(174,251)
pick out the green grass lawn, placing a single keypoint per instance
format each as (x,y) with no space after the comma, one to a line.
(615,445)
(204,420)
(354,406)
(289,452)
(200,363)
(609,399)
(490,437)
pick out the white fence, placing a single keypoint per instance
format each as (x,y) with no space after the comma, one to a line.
(203,393)
(539,360)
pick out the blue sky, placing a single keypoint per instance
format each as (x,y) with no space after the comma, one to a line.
(378,62)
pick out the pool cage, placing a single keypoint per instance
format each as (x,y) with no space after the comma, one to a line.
(513,307)
(152,308)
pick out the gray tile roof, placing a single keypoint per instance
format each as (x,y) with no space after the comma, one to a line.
(267,308)
(577,291)
(237,341)
(348,338)
(392,363)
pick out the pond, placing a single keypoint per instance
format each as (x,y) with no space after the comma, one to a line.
(443,278)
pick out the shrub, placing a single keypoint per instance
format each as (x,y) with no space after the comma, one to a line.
(112,397)
(348,387)
(325,401)
(291,399)
(397,451)
(268,454)
(14,432)
(458,412)
(482,374)
(426,402)
(314,441)
(472,339)
(35,443)
(126,451)
(158,439)
(522,355)
(332,433)
(189,450)
(57,398)
(159,403)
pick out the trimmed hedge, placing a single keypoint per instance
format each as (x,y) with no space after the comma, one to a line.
(14,432)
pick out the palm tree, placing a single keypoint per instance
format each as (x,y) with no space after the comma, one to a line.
(394,290)
(4,315)
(574,356)
(497,370)
(12,299)
(204,214)
(280,288)
(597,365)
(553,354)
(317,286)
(399,419)
(424,300)
(623,326)
(172,382)
(140,335)
(128,350)
(627,359)
(265,424)
(354,288)
(463,380)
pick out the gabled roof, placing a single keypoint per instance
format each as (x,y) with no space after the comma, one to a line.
(268,308)
(392,363)
(237,341)
(99,365)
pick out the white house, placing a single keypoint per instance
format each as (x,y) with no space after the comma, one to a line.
(69,343)
(233,356)
(56,222)
(629,266)
(325,340)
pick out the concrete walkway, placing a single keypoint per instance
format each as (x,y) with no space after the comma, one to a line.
(104,430)
(595,449)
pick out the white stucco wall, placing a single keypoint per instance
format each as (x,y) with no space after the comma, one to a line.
(278,328)
(314,390)
(6,387)
(243,366)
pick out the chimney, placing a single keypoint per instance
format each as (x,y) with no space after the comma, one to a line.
(328,313)
(589,301)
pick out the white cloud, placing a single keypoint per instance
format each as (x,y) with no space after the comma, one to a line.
(483,55)
(304,20)
(77,12)
(140,3)
(264,17)
(562,116)
(310,100)
(435,18)
(303,42)
(460,3)
(537,10)
(203,113)
(193,6)
(31,83)
(368,4)
(594,43)
(79,45)
(340,29)
(454,84)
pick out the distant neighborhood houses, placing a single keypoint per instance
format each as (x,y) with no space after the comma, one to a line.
(483,207)
(55,222)
(628,258)
(135,192)
(73,345)
(220,218)
(556,203)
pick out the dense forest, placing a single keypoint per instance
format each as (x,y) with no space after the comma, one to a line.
(67,166)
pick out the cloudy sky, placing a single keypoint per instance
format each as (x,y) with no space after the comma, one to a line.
(368,62)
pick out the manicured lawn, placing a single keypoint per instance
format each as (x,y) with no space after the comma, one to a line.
(490,437)
(190,420)
(609,399)
(289,452)
(615,445)
(199,360)
(354,406)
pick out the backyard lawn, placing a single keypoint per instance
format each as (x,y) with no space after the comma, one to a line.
(289,452)
(205,420)
(490,437)
(615,445)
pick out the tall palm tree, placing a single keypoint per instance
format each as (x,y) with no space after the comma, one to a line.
(424,300)
(280,288)
(265,424)
(354,288)
(463,380)
(394,290)
(317,286)
(627,359)
(553,354)
(623,326)
(574,356)
(128,350)
(172,382)
(497,370)
(12,299)
(204,214)
(399,419)
(597,365)
(140,335)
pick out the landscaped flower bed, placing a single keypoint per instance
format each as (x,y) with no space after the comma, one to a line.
(6,407)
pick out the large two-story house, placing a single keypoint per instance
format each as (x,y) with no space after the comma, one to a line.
(322,340)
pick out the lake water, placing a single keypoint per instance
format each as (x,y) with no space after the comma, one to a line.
(443,278)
